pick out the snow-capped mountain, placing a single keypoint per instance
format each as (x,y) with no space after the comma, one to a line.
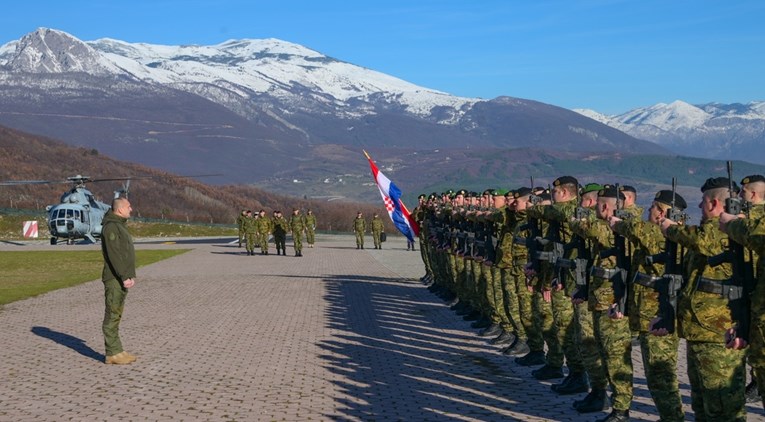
(714,130)
(257,108)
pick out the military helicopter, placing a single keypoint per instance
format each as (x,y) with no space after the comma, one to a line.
(79,213)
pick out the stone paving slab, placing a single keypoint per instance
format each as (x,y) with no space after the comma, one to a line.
(339,334)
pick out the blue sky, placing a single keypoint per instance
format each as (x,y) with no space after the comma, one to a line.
(608,55)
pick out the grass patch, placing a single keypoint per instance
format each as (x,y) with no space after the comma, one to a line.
(27,274)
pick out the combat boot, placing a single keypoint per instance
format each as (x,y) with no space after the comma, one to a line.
(575,383)
(121,358)
(519,347)
(532,359)
(454,304)
(595,401)
(617,416)
(505,337)
(547,372)
(481,322)
(491,330)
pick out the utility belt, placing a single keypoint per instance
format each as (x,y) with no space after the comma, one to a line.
(646,280)
(566,263)
(720,287)
(604,273)
(519,240)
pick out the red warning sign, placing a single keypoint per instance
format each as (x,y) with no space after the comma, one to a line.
(30,229)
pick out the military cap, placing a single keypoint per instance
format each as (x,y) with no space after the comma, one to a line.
(665,197)
(521,192)
(609,191)
(628,188)
(753,178)
(510,194)
(462,192)
(718,182)
(447,192)
(421,196)
(591,187)
(546,196)
(488,192)
(498,192)
(564,180)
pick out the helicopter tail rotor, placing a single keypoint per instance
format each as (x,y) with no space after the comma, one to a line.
(123,193)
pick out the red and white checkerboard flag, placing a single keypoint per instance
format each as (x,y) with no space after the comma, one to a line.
(391,196)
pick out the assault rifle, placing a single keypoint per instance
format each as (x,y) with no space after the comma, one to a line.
(619,282)
(671,282)
(742,282)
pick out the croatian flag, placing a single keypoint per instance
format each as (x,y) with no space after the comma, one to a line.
(391,196)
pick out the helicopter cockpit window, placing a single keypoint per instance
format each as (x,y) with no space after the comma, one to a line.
(76,214)
(61,214)
(69,213)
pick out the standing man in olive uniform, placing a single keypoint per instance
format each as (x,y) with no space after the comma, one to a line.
(378,228)
(264,227)
(240,224)
(717,373)
(359,227)
(250,232)
(118,276)
(279,224)
(659,352)
(297,225)
(310,227)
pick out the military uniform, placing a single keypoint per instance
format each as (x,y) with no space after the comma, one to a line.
(280,225)
(377,229)
(251,233)
(716,373)
(359,227)
(297,225)
(310,228)
(119,265)
(264,228)
(659,353)
(240,224)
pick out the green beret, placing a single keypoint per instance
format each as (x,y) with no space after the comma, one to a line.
(565,180)
(665,197)
(591,187)
(499,192)
(718,182)
(753,178)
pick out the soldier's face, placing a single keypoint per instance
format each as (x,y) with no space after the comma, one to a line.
(499,201)
(655,213)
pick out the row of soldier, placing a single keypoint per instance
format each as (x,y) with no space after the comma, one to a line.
(255,229)
(576,269)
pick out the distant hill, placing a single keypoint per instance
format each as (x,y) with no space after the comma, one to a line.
(714,130)
(261,110)
(30,157)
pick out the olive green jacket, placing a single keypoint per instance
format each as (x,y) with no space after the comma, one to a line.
(117,248)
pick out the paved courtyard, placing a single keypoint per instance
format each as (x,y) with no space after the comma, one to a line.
(339,334)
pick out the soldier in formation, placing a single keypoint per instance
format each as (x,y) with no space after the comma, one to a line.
(310,228)
(240,219)
(297,226)
(359,228)
(280,226)
(564,277)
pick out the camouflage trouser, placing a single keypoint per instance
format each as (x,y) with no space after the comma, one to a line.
(241,236)
(718,379)
(526,310)
(114,299)
(376,239)
(757,352)
(359,239)
(589,349)
(263,240)
(566,329)
(660,363)
(546,322)
(297,238)
(251,239)
(511,293)
(310,235)
(425,253)
(615,340)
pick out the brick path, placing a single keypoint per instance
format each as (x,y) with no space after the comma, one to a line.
(339,334)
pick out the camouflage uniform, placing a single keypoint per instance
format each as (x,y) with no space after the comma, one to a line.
(250,231)
(659,353)
(422,217)
(377,229)
(310,228)
(717,374)
(507,296)
(751,233)
(264,227)
(240,224)
(359,227)
(531,330)
(613,335)
(297,225)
